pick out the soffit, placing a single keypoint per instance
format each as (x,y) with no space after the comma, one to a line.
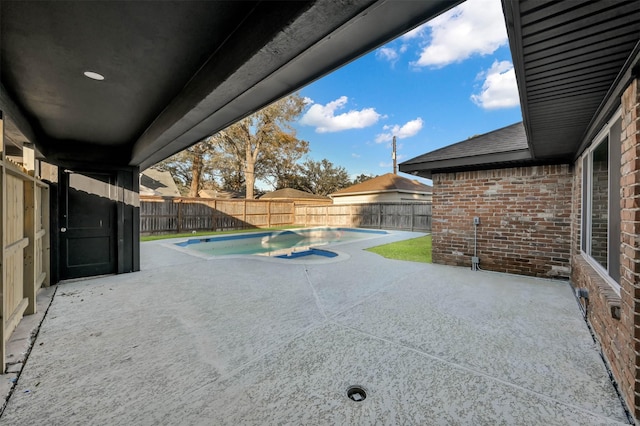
(175,72)
(568,57)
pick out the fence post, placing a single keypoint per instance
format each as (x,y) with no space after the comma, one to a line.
(326,215)
(214,224)
(413,215)
(293,214)
(379,216)
(244,214)
(269,214)
(46,240)
(179,224)
(3,254)
(352,216)
(29,265)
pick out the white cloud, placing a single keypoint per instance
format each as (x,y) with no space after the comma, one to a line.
(499,89)
(389,165)
(354,155)
(323,117)
(411,128)
(387,53)
(392,54)
(384,137)
(476,27)
(417,32)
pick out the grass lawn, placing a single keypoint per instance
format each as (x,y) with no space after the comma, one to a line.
(414,250)
(213,233)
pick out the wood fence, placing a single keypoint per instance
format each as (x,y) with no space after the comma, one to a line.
(24,261)
(399,216)
(160,215)
(175,215)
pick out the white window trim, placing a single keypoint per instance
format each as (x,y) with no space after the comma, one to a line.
(586,206)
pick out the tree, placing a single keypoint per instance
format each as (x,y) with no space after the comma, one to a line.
(254,144)
(282,169)
(230,168)
(198,152)
(323,178)
(362,178)
(188,167)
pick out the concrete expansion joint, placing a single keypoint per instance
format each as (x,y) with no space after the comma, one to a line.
(315,294)
(490,377)
(361,301)
(262,355)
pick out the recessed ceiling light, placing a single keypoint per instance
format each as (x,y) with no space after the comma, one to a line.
(94,75)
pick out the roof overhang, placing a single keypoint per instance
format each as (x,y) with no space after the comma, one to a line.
(572,60)
(505,147)
(175,72)
(426,169)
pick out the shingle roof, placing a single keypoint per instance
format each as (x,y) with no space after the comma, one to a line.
(215,193)
(385,183)
(291,193)
(506,145)
(156,182)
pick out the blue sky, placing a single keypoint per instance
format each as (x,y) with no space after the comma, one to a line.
(441,83)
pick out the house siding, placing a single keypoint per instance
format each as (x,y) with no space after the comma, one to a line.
(615,320)
(382,197)
(525,219)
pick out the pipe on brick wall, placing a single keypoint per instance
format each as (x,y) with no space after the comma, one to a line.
(583,294)
(475,261)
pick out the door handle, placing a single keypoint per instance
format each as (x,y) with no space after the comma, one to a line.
(63,229)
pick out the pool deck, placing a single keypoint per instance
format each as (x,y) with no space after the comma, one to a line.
(254,341)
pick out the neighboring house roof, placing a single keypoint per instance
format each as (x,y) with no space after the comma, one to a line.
(386,183)
(291,193)
(218,193)
(503,146)
(156,182)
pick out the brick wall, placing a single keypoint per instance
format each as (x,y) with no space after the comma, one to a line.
(603,307)
(615,319)
(525,219)
(630,245)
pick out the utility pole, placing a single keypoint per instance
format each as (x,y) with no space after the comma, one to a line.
(393,155)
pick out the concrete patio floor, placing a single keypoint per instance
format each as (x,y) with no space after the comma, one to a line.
(259,341)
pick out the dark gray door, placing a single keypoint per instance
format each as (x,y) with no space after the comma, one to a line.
(87,224)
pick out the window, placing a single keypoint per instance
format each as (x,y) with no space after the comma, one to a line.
(599,211)
(601,203)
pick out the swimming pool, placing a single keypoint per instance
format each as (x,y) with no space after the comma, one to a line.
(283,244)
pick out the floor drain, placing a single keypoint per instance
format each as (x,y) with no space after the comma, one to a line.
(356,393)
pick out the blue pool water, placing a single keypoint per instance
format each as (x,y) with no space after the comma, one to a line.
(286,244)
